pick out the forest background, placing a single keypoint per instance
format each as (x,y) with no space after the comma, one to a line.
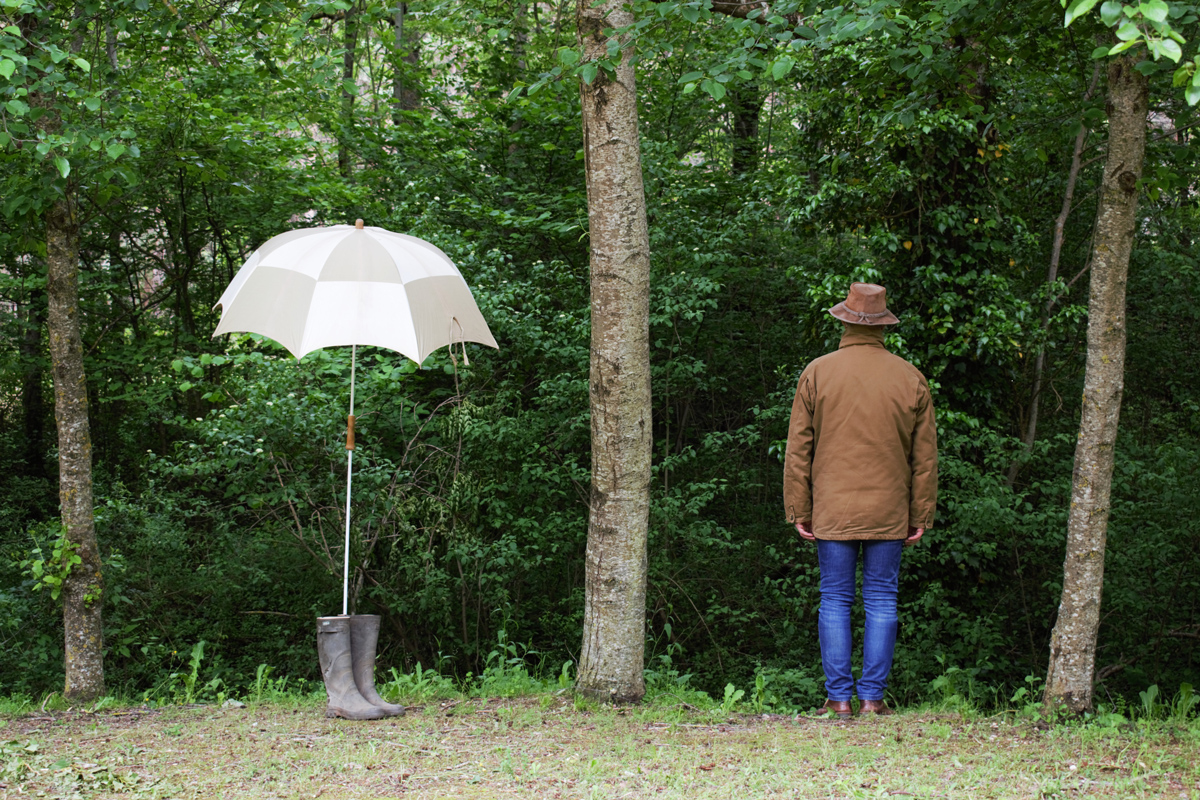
(925,146)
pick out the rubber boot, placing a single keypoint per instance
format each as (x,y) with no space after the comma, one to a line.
(334,650)
(364,636)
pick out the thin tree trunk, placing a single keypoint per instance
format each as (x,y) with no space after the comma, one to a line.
(33,401)
(1073,643)
(747,102)
(350,46)
(406,52)
(110,45)
(81,590)
(614,619)
(1056,246)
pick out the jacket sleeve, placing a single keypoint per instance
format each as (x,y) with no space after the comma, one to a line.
(922,508)
(797,462)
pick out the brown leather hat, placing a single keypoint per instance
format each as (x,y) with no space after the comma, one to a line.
(865,305)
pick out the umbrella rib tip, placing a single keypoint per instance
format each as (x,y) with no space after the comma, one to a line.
(358,223)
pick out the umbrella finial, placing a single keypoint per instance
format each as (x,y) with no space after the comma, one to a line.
(358,223)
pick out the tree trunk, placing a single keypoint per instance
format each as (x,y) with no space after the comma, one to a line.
(614,619)
(1073,643)
(350,46)
(406,53)
(33,402)
(746,101)
(81,590)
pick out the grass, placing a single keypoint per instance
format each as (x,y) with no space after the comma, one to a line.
(550,746)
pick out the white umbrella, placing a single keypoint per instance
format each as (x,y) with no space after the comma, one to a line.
(352,285)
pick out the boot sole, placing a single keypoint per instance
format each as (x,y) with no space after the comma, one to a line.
(331,713)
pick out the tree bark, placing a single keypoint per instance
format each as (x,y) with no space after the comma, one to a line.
(406,51)
(81,590)
(350,46)
(614,620)
(1073,643)
(33,403)
(746,101)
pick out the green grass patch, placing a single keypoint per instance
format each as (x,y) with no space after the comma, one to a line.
(549,745)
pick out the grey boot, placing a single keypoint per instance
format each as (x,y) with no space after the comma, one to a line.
(334,650)
(364,635)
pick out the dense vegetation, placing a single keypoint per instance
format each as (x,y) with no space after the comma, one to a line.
(933,160)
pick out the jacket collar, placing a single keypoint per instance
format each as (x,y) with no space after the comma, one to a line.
(871,335)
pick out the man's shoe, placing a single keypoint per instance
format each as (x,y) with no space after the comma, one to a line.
(876,707)
(840,708)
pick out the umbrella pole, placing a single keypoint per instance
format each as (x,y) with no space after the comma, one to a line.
(349,477)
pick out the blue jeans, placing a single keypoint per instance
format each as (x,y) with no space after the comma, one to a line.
(881,579)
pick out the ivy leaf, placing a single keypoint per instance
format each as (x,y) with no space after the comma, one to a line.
(114,151)
(92,103)
(588,72)
(1078,9)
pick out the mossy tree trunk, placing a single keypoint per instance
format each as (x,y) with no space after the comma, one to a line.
(81,591)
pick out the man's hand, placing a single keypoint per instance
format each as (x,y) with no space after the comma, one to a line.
(805,531)
(914,536)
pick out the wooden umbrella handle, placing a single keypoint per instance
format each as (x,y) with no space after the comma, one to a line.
(350,432)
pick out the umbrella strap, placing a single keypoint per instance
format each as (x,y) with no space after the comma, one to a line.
(462,340)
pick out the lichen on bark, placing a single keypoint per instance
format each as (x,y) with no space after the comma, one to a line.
(1073,642)
(83,586)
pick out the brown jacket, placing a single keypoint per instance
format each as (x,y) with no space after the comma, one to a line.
(861,457)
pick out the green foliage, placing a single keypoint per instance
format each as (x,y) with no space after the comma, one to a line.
(922,145)
(732,697)
(50,573)
(421,685)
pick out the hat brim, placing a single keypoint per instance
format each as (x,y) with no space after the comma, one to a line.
(840,312)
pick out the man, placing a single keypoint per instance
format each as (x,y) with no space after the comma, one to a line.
(860,479)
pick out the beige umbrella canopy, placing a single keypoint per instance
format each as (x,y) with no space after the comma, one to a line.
(352,285)
(348,285)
